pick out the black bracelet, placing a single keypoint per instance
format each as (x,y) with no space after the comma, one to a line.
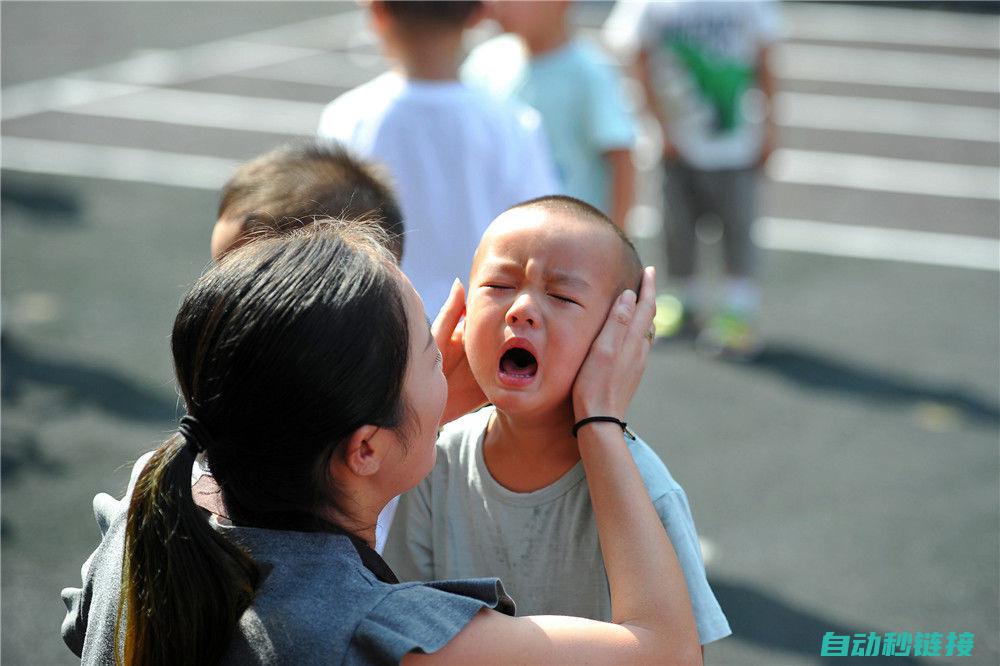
(606,419)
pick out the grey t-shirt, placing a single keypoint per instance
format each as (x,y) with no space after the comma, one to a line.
(317,603)
(459,522)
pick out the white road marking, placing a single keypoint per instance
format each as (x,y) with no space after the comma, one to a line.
(210,173)
(842,64)
(116,163)
(887,116)
(204,109)
(884,25)
(884,174)
(325,69)
(917,247)
(708,550)
(172,67)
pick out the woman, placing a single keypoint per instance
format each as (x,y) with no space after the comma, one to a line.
(315,390)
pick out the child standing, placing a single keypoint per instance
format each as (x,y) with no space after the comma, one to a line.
(703,66)
(577,90)
(508,493)
(457,157)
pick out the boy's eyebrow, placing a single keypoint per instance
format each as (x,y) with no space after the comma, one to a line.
(568,279)
(562,277)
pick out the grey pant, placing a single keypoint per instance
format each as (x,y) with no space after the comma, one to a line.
(731,194)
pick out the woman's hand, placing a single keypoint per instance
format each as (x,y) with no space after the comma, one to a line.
(464,393)
(613,368)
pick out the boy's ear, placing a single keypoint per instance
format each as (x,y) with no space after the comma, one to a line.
(364,451)
(478,14)
(379,15)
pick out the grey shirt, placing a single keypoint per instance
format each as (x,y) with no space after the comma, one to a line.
(459,522)
(317,603)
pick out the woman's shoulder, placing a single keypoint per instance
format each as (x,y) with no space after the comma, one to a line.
(318,603)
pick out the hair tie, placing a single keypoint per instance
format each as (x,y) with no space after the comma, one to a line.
(194,432)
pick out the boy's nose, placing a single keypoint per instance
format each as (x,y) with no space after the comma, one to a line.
(522,312)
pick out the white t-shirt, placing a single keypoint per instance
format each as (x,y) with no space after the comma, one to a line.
(703,60)
(457,157)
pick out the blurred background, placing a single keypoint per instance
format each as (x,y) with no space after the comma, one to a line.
(846,480)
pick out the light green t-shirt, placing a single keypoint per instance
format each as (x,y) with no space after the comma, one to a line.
(460,523)
(578,91)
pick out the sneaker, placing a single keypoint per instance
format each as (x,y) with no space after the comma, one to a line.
(673,321)
(731,335)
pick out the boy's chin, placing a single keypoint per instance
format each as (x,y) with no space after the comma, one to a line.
(513,403)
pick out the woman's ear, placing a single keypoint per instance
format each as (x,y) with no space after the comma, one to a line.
(365,449)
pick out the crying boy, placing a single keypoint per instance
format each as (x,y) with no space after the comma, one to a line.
(508,496)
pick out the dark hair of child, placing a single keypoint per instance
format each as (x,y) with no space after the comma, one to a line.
(444,13)
(582,211)
(293,185)
(281,350)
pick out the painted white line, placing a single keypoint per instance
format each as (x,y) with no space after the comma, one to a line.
(115,163)
(905,69)
(884,174)
(203,109)
(918,247)
(57,93)
(210,173)
(326,69)
(887,116)
(708,551)
(171,67)
(883,25)
(150,68)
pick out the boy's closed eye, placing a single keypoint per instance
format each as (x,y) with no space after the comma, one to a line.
(565,299)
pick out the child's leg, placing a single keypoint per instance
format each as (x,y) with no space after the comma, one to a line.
(682,208)
(733,331)
(735,202)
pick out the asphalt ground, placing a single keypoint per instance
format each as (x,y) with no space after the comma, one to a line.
(846,481)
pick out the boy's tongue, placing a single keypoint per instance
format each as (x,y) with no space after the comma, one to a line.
(518,362)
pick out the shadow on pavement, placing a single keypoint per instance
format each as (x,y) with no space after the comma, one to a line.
(815,370)
(49,207)
(773,624)
(81,385)
(21,453)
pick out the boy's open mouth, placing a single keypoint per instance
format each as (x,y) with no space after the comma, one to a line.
(518,365)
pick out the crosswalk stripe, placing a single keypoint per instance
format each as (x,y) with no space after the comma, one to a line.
(841,64)
(210,173)
(885,25)
(116,163)
(227,56)
(884,174)
(204,109)
(920,247)
(886,116)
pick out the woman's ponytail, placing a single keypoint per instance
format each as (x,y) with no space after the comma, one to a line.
(184,586)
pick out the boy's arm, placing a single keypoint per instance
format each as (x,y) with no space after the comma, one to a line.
(611,129)
(621,173)
(643,72)
(675,514)
(768,85)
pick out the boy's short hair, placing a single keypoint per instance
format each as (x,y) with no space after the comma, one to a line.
(631,274)
(293,185)
(451,13)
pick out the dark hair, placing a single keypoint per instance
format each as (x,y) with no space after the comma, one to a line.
(282,349)
(451,13)
(296,184)
(631,276)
